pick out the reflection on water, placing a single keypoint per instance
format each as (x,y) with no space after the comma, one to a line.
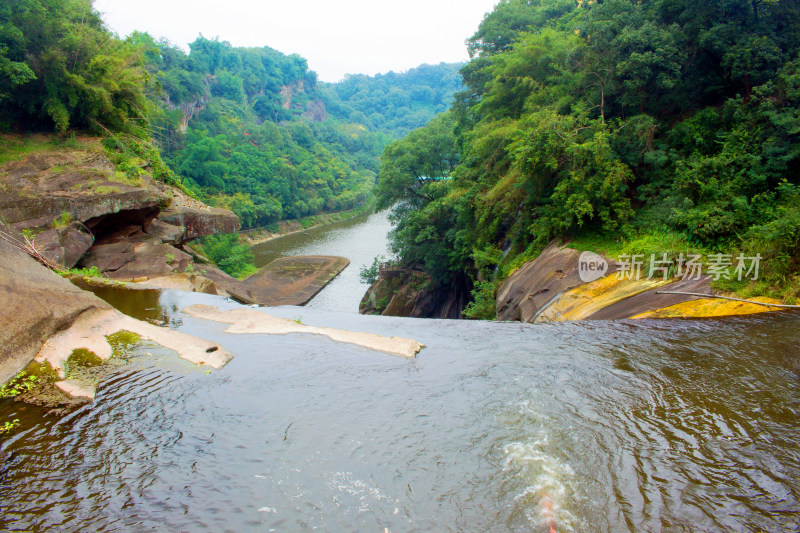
(142,304)
(360,240)
(596,426)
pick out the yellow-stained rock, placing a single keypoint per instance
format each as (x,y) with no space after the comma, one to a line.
(582,301)
(711,307)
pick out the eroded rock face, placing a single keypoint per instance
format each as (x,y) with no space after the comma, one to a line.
(412,294)
(197,218)
(65,246)
(35,303)
(530,288)
(71,198)
(44,188)
(549,288)
(109,257)
(137,257)
(168,233)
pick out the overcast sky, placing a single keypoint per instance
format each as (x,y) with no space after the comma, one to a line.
(337,37)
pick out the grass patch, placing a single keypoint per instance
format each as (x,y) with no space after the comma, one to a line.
(62,221)
(127,178)
(92,272)
(104,189)
(16,147)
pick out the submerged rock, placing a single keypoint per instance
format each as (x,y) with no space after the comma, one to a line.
(90,332)
(291,280)
(76,389)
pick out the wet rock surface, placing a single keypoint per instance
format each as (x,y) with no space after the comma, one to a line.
(412,293)
(36,303)
(549,288)
(288,280)
(528,290)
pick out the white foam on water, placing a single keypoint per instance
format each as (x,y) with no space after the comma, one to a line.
(550,480)
(356,491)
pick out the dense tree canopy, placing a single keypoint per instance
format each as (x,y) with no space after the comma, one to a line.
(250,129)
(617,119)
(60,68)
(394,103)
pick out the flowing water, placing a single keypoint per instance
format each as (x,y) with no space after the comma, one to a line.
(360,239)
(588,426)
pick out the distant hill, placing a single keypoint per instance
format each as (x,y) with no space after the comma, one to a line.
(394,103)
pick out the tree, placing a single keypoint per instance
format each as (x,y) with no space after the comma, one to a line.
(412,167)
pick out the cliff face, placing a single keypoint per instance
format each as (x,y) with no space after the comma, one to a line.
(190,109)
(411,293)
(312,109)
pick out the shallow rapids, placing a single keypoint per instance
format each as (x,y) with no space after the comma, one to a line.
(593,426)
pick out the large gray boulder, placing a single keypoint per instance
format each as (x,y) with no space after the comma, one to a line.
(530,288)
(35,303)
(64,246)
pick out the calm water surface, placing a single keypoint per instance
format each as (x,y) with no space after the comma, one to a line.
(360,239)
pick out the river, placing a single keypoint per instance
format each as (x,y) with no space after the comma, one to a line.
(360,239)
(685,425)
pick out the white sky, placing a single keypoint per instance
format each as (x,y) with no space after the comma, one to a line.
(337,37)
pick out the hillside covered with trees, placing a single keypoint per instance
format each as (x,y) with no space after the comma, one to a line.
(394,103)
(640,127)
(250,129)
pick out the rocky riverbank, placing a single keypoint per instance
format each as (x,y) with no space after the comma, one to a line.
(412,293)
(73,208)
(550,289)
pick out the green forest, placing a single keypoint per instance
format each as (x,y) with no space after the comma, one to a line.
(638,127)
(394,103)
(249,129)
